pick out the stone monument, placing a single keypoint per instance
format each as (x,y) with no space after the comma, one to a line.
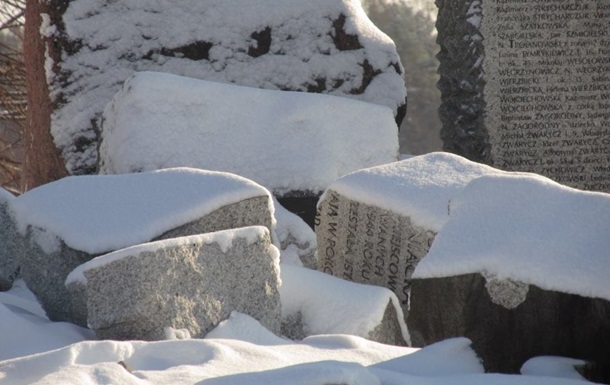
(375,225)
(526,86)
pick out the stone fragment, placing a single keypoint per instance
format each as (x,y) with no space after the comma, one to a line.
(189,284)
(367,244)
(375,225)
(69,222)
(548,322)
(521,268)
(335,306)
(525,87)
(10,244)
(293,143)
(317,46)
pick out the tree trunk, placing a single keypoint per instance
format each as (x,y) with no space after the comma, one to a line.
(43,162)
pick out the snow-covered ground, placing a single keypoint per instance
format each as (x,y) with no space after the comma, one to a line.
(239,351)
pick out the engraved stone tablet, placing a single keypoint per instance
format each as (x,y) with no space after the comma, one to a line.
(375,225)
(367,244)
(527,86)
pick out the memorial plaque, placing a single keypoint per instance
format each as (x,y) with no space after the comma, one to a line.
(533,93)
(367,244)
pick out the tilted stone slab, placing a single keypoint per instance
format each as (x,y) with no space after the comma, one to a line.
(521,268)
(190,283)
(69,222)
(375,225)
(331,305)
(318,46)
(366,244)
(10,244)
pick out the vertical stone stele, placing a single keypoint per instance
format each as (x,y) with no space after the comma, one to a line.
(526,86)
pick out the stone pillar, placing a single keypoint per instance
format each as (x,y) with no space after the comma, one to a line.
(526,86)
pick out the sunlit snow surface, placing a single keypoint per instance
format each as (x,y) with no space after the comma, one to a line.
(419,187)
(100,213)
(285,141)
(238,351)
(527,228)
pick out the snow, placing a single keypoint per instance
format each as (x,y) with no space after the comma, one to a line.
(419,187)
(527,228)
(549,366)
(224,239)
(301,51)
(259,134)
(474,14)
(37,351)
(5,196)
(24,329)
(100,213)
(319,310)
(295,236)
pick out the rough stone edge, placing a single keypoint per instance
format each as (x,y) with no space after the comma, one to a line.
(79,290)
(461,82)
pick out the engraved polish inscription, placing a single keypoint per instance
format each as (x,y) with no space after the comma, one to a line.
(370,245)
(547,68)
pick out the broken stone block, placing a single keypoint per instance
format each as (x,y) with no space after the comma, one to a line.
(319,46)
(547,322)
(521,268)
(375,225)
(189,283)
(331,305)
(293,143)
(69,222)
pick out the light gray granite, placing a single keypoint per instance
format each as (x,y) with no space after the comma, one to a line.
(190,283)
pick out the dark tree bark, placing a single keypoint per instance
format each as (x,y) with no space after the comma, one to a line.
(43,162)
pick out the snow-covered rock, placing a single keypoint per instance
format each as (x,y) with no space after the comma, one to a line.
(315,46)
(524,259)
(190,283)
(286,141)
(10,245)
(334,306)
(70,221)
(375,225)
